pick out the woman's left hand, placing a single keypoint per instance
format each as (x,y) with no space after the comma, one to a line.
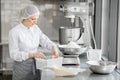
(55,52)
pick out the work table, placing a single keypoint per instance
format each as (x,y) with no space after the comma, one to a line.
(84,74)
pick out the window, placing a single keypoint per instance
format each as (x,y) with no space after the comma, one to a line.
(107,28)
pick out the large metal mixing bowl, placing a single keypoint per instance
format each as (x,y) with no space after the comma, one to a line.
(105,67)
(72,50)
(66,50)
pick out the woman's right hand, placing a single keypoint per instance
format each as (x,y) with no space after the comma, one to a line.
(37,55)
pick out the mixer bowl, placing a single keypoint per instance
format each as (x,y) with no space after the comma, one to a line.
(72,50)
(102,67)
(69,50)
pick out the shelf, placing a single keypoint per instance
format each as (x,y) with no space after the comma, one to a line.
(3,43)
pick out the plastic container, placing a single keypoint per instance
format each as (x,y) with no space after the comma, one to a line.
(49,62)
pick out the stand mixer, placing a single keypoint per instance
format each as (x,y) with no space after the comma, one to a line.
(79,35)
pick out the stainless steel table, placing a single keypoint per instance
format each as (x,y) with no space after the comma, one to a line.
(86,74)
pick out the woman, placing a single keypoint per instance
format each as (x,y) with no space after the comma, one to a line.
(24,40)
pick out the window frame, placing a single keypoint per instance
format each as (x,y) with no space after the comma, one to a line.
(118,47)
(113,37)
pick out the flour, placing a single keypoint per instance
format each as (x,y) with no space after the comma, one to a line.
(72,45)
(62,71)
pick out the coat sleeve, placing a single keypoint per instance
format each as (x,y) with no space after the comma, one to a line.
(45,41)
(14,49)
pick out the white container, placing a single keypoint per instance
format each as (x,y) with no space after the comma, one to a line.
(94,54)
(40,63)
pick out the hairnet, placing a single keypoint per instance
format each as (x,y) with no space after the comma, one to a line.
(29,11)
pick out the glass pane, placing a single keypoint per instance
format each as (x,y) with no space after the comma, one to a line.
(105,27)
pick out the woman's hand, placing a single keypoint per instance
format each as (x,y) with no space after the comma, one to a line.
(37,55)
(55,53)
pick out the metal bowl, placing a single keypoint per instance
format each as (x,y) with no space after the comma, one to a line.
(102,67)
(69,50)
(72,50)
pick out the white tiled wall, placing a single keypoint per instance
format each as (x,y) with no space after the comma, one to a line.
(9,11)
(49,22)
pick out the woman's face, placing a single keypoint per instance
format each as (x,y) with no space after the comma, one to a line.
(32,20)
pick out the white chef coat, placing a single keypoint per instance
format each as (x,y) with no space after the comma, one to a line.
(23,41)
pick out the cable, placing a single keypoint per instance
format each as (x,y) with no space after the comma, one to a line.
(92,32)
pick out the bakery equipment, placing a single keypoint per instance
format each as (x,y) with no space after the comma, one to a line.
(78,13)
(71,53)
(67,34)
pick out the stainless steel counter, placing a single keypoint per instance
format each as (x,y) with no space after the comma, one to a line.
(48,75)
(84,74)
